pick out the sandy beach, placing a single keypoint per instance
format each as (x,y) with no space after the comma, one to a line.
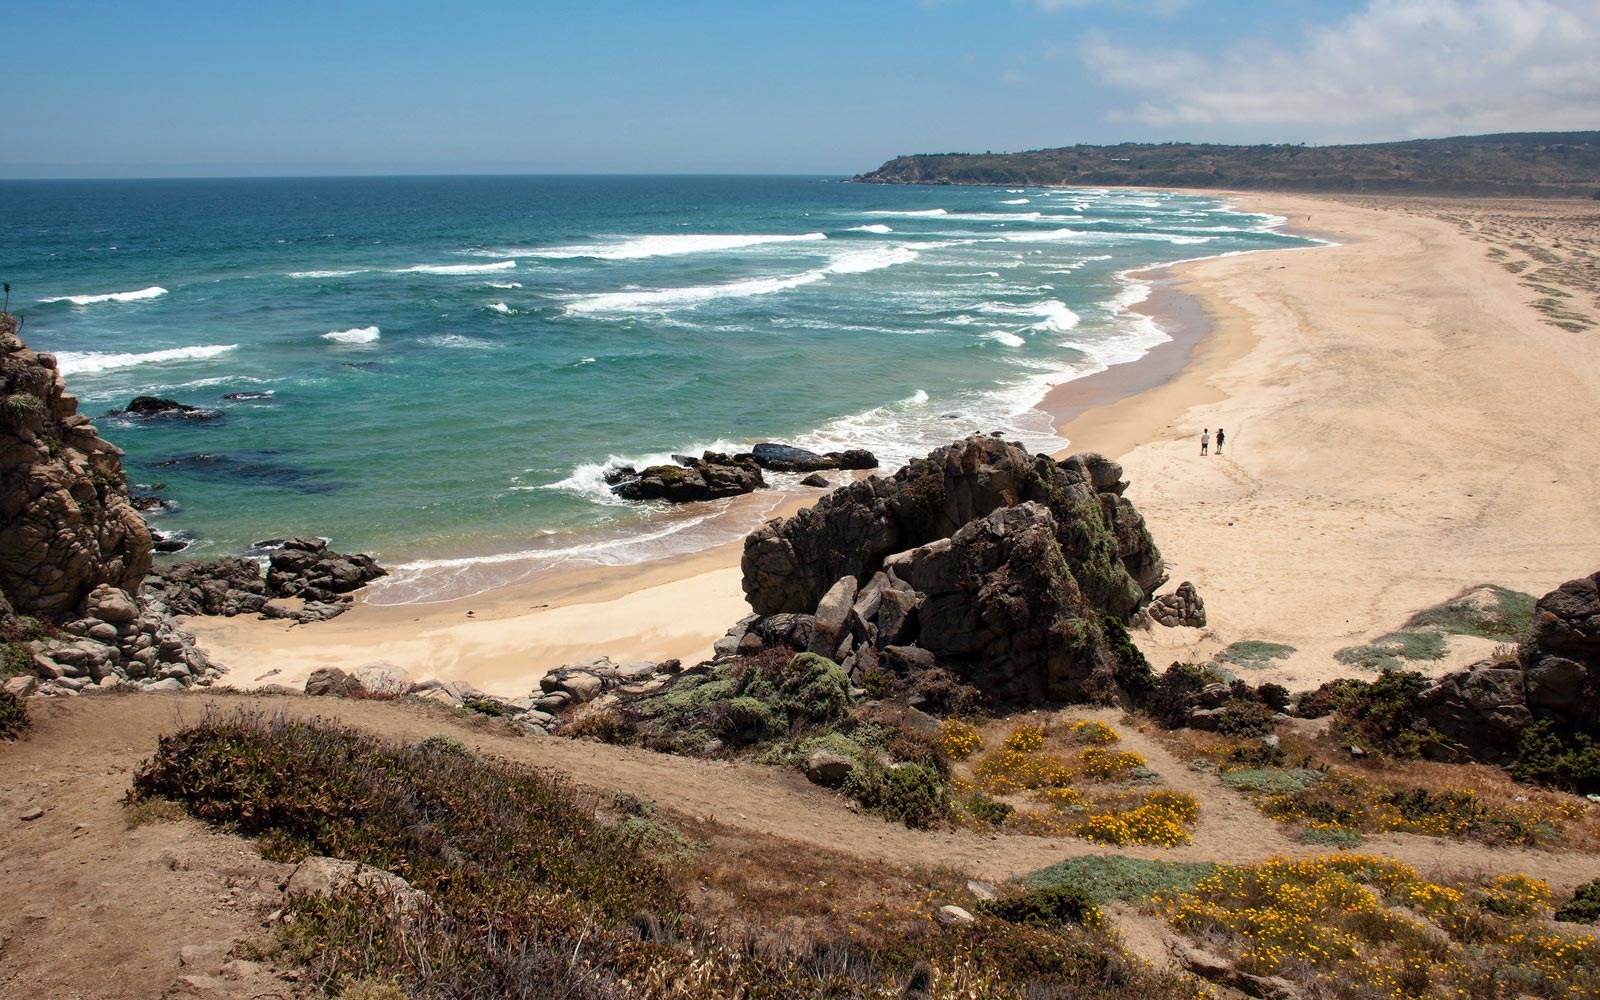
(1404,418)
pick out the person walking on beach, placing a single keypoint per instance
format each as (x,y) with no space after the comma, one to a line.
(1219,440)
(1205,441)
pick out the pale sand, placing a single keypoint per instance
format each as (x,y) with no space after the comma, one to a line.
(1402,424)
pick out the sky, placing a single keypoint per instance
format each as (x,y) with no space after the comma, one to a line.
(169,88)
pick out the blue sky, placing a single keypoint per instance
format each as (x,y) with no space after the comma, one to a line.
(165,88)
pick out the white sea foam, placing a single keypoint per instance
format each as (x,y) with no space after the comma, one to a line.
(872,227)
(88,362)
(458,341)
(1002,337)
(925,213)
(505,284)
(1015,190)
(503,265)
(355,335)
(1015,201)
(143,294)
(669,245)
(326,274)
(667,299)
(501,308)
(1057,317)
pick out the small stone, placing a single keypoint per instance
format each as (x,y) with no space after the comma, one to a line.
(31,814)
(982,890)
(955,916)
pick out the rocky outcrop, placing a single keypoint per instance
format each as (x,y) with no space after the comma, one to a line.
(1183,607)
(789,563)
(710,477)
(156,408)
(117,642)
(1481,712)
(66,526)
(303,568)
(787,458)
(980,560)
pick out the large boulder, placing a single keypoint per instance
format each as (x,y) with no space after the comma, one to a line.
(1481,712)
(1182,607)
(790,563)
(66,525)
(787,458)
(710,477)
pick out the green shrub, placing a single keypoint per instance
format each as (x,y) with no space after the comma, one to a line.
(14,719)
(1327,698)
(983,809)
(914,795)
(1584,907)
(1105,878)
(486,706)
(1254,753)
(1382,716)
(1174,694)
(1130,668)
(444,743)
(1050,906)
(1245,718)
(742,720)
(877,682)
(813,689)
(1274,696)
(1568,760)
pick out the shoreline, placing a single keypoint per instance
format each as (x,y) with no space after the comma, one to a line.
(1322,544)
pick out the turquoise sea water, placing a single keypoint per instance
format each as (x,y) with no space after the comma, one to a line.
(447,365)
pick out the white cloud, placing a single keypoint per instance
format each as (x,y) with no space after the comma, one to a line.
(1417,67)
(1153,6)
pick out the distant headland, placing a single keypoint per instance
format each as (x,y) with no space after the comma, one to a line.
(1521,164)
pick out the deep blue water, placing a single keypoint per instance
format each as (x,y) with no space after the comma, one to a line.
(452,361)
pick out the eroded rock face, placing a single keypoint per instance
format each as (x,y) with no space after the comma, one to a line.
(1183,607)
(66,526)
(790,563)
(1481,711)
(990,566)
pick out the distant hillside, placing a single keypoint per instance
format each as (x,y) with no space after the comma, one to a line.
(1542,164)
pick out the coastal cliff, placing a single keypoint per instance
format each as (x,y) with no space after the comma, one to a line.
(66,526)
(1539,164)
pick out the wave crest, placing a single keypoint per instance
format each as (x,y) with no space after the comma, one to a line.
(355,335)
(88,362)
(141,295)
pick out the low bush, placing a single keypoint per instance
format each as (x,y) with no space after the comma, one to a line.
(1274,696)
(1245,718)
(1255,654)
(914,795)
(1326,699)
(1569,760)
(1105,878)
(1386,652)
(14,719)
(959,740)
(1129,668)
(1382,716)
(1584,906)
(982,809)
(1271,780)
(1175,691)
(1488,612)
(1048,906)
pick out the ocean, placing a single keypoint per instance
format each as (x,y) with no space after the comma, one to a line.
(438,370)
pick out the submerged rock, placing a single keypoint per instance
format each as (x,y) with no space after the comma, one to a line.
(710,477)
(154,407)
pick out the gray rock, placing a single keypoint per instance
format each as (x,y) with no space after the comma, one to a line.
(321,876)
(329,681)
(835,605)
(1183,608)
(825,767)
(955,916)
(381,679)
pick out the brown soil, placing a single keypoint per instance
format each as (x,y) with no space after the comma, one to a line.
(99,910)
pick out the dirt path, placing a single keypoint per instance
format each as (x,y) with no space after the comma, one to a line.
(96,896)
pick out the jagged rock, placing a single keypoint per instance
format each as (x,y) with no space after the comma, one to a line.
(1182,607)
(302,568)
(790,563)
(154,407)
(825,767)
(1481,712)
(787,458)
(66,525)
(329,681)
(710,477)
(816,479)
